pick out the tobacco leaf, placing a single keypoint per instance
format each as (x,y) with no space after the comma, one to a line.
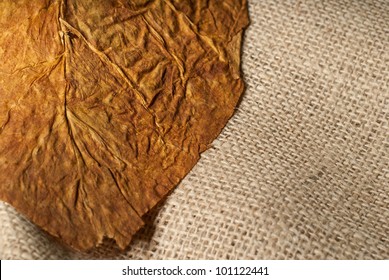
(106,105)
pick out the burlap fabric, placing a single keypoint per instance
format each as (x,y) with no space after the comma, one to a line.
(301,171)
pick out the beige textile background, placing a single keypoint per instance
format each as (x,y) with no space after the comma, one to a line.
(301,171)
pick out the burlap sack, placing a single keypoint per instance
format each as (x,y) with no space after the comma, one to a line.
(302,169)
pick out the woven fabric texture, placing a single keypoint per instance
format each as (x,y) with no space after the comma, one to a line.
(301,171)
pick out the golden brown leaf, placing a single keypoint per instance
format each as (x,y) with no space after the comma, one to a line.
(106,105)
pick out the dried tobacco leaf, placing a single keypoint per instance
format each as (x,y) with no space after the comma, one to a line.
(106,105)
